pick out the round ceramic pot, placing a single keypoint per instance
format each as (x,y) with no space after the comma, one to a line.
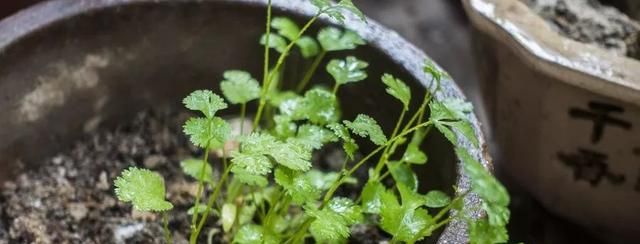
(67,66)
(565,116)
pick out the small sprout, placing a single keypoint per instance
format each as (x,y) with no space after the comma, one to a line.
(239,87)
(193,168)
(142,188)
(334,39)
(365,126)
(398,89)
(346,71)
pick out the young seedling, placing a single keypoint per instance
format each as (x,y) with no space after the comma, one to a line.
(269,191)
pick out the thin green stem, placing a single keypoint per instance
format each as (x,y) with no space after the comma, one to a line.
(205,161)
(311,71)
(210,202)
(385,155)
(165,227)
(267,46)
(335,89)
(279,63)
(243,111)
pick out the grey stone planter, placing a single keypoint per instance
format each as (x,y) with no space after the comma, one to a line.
(565,116)
(67,66)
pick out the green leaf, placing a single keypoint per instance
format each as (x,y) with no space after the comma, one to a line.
(403,174)
(345,207)
(495,197)
(398,89)
(452,114)
(410,198)
(255,164)
(239,87)
(193,168)
(413,154)
(204,101)
(437,199)
(405,222)
(205,132)
(348,5)
(365,126)
(482,182)
(308,46)
(349,70)
(349,144)
(276,42)
(371,197)
(285,27)
(481,232)
(284,127)
(296,185)
(321,4)
(250,179)
(249,234)
(328,226)
(228,216)
(436,73)
(321,180)
(143,188)
(314,136)
(320,107)
(290,154)
(333,39)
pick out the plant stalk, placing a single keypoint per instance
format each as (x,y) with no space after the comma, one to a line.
(210,202)
(194,218)
(311,71)
(279,63)
(165,227)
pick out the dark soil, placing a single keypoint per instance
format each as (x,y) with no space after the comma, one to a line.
(70,198)
(589,21)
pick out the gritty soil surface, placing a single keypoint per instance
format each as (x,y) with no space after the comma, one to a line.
(70,198)
(589,21)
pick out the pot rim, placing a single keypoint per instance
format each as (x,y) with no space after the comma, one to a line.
(528,35)
(37,18)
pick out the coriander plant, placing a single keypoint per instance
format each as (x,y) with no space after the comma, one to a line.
(268,191)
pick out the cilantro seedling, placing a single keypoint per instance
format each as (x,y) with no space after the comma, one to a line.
(269,191)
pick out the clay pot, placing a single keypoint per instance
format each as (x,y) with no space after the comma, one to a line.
(67,66)
(565,116)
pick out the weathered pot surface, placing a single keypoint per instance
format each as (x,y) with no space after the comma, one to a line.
(564,115)
(67,66)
